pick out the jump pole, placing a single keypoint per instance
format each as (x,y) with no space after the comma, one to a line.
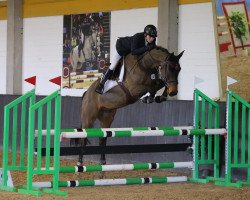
(127,167)
(105,182)
(96,133)
(70,130)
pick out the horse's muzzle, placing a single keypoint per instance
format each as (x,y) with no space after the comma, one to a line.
(172,89)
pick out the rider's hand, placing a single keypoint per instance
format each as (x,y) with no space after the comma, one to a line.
(150,47)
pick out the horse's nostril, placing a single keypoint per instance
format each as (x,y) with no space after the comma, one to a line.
(173,93)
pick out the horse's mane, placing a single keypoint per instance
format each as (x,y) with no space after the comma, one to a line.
(162,48)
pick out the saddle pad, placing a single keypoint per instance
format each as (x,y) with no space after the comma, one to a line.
(111,83)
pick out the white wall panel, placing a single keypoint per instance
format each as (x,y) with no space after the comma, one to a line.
(196,37)
(129,22)
(42,51)
(3,50)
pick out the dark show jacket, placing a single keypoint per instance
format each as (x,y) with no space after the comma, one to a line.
(135,44)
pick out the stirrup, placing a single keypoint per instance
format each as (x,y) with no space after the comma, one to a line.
(99,89)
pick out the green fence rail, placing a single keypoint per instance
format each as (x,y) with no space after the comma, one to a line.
(205,147)
(17,133)
(51,167)
(238,140)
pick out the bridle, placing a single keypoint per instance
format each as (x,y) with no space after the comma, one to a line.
(166,82)
(158,68)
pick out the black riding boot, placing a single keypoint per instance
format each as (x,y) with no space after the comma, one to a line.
(99,88)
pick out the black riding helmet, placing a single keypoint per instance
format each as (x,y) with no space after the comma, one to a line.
(150,30)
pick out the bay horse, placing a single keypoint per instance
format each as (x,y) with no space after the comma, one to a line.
(149,72)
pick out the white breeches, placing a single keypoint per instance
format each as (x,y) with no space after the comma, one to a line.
(115,60)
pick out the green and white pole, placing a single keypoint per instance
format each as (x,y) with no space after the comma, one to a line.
(105,182)
(96,133)
(127,167)
(71,130)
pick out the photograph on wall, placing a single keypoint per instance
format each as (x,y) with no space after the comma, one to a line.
(233,37)
(86,48)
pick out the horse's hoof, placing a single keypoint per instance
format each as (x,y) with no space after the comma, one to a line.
(150,99)
(147,99)
(159,99)
(103,162)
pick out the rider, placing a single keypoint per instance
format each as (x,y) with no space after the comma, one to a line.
(136,45)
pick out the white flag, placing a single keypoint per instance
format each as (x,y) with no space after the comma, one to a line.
(197,80)
(9,180)
(230,81)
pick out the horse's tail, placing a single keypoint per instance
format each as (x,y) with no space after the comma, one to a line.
(83,94)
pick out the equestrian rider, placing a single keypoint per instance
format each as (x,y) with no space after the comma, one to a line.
(136,45)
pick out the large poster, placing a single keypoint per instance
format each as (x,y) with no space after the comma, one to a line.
(86,48)
(232,26)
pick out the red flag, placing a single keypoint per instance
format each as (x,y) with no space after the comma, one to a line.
(31,80)
(56,80)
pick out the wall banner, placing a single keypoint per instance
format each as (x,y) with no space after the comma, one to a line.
(86,48)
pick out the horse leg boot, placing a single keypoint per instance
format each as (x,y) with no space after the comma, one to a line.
(83,143)
(99,88)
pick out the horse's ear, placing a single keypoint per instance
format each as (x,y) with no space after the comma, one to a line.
(172,56)
(179,56)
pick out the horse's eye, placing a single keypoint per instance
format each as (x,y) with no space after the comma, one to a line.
(177,67)
(174,66)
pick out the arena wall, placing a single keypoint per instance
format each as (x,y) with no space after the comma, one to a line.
(3,36)
(43,41)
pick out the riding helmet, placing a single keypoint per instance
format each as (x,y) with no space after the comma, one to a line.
(150,30)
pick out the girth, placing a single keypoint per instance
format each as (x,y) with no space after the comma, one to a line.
(130,98)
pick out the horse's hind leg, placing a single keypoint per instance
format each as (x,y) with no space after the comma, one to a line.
(87,122)
(106,118)
(82,143)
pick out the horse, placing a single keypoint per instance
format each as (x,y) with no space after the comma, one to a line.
(85,54)
(76,61)
(148,72)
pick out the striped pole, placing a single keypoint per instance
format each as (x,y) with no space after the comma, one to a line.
(127,167)
(96,133)
(70,130)
(104,182)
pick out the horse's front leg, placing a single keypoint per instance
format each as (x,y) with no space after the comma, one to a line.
(102,143)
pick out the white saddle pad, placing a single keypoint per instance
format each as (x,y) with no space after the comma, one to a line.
(110,83)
